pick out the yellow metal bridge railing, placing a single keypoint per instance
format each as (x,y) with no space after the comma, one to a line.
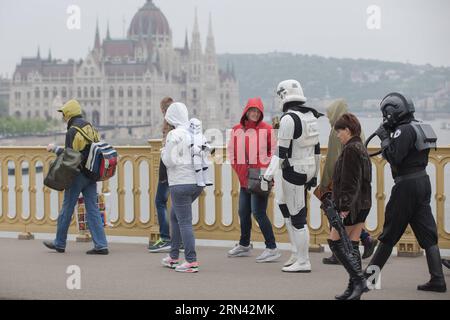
(28,207)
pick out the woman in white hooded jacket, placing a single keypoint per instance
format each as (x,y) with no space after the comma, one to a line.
(176,155)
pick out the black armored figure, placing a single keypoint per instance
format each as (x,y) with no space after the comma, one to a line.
(406,144)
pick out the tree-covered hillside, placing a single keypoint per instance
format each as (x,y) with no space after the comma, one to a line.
(354,80)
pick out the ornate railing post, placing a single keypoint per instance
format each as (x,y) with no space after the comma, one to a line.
(155,145)
(313,245)
(408,245)
(440,159)
(26,235)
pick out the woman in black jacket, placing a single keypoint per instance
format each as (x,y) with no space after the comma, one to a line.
(352,195)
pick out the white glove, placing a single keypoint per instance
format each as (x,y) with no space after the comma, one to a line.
(273,168)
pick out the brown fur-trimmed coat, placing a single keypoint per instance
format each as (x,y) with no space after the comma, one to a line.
(352,190)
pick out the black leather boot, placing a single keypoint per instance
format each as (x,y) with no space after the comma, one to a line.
(352,264)
(347,292)
(437,281)
(349,289)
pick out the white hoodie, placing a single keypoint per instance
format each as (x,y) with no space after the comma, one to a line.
(176,154)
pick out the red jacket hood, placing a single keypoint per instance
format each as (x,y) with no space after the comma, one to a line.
(253,103)
(262,146)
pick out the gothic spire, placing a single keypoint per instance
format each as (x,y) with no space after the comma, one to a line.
(210,28)
(196,46)
(210,43)
(196,29)
(97,38)
(108,36)
(186,42)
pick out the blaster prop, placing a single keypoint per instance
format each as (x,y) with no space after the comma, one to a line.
(335,220)
(373,135)
(383,133)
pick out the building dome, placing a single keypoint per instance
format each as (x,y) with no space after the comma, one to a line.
(148,22)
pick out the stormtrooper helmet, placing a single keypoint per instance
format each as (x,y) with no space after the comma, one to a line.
(290,90)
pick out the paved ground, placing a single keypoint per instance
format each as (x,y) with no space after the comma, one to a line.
(30,271)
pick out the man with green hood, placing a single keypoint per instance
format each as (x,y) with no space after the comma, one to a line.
(72,115)
(334,112)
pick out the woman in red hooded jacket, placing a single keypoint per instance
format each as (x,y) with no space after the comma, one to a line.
(251,146)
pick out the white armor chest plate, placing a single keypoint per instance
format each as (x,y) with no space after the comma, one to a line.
(303,147)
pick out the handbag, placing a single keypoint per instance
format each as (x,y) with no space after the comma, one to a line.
(254,179)
(254,182)
(63,170)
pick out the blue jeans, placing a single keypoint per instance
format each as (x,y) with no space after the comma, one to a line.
(162,195)
(181,220)
(89,189)
(257,204)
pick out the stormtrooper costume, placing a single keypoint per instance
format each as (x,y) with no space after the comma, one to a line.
(298,157)
(200,150)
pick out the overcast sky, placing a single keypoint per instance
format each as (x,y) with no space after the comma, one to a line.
(415,31)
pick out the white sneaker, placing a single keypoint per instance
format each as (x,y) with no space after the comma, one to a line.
(188,267)
(240,251)
(269,255)
(170,263)
(291,260)
(298,267)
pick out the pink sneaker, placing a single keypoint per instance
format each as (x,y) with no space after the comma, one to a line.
(170,263)
(189,267)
